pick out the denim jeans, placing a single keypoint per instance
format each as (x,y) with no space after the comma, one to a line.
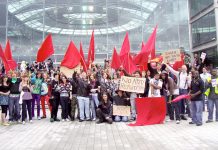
(84,106)
(211,104)
(121,118)
(197,111)
(94,103)
(133,107)
(14,108)
(184,104)
(36,97)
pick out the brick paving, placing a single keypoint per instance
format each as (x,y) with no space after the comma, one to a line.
(43,135)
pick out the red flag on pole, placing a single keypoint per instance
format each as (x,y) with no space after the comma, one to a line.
(72,57)
(83,63)
(4,60)
(8,55)
(91,53)
(179,64)
(128,64)
(125,49)
(46,49)
(115,63)
(151,43)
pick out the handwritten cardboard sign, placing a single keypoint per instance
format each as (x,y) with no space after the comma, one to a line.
(171,56)
(131,84)
(121,110)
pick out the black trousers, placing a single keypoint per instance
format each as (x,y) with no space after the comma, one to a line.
(26,106)
(64,105)
(173,110)
(55,103)
(4,109)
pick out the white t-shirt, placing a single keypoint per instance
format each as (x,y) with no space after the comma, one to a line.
(156,91)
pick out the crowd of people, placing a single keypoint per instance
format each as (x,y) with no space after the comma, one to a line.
(90,96)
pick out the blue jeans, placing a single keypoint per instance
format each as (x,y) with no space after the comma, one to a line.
(197,111)
(94,104)
(121,118)
(211,104)
(184,102)
(83,106)
(14,108)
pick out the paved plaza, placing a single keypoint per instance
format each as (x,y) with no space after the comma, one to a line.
(44,135)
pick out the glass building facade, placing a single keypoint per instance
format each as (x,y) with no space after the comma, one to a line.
(203,28)
(27,22)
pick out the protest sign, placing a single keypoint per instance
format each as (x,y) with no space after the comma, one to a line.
(131,84)
(121,110)
(203,56)
(69,72)
(172,56)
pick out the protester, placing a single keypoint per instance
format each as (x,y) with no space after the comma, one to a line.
(155,86)
(14,107)
(196,93)
(212,94)
(26,98)
(4,98)
(104,110)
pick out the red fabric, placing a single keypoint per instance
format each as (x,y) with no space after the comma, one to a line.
(128,64)
(91,53)
(82,61)
(115,63)
(157,59)
(8,55)
(72,57)
(150,111)
(4,60)
(178,98)
(151,43)
(179,64)
(46,49)
(125,49)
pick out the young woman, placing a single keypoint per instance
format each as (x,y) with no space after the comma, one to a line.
(155,86)
(36,94)
(4,98)
(104,110)
(26,98)
(64,89)
(44,94)
(14,107)
(115,83)
(94,90)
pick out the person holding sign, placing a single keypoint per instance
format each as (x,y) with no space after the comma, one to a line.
(121,100)
(104,110)
(212,93)
(155,86)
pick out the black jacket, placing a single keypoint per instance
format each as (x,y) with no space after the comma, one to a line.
(121,101)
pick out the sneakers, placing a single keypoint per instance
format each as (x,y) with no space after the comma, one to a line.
(63,120)
(39,118)
(51,120)
(183,117)
(31,121)
(93,119)
(177,122)
(6,124)
(191,123)
(88,120)
(199,124)
(58,120)
(67,120)
(168,120)
(24,123)
(209,121)
(81,120)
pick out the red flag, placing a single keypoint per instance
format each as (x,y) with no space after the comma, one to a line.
(115,63)
(128,64)
(180,97)
(72,57)
(4,60)
(125,49)
(179,64)
(151,110)
(82,58)
(46,49)
(8,55)
(91,53)
(147,49)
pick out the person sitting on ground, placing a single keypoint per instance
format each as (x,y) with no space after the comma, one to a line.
(104,110)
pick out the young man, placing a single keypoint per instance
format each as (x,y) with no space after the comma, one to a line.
(196,93)
(212,93)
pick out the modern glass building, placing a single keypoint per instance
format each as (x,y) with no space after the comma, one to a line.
(203,18)
(27,22)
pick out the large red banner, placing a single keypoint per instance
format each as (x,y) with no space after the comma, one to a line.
(150,111)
